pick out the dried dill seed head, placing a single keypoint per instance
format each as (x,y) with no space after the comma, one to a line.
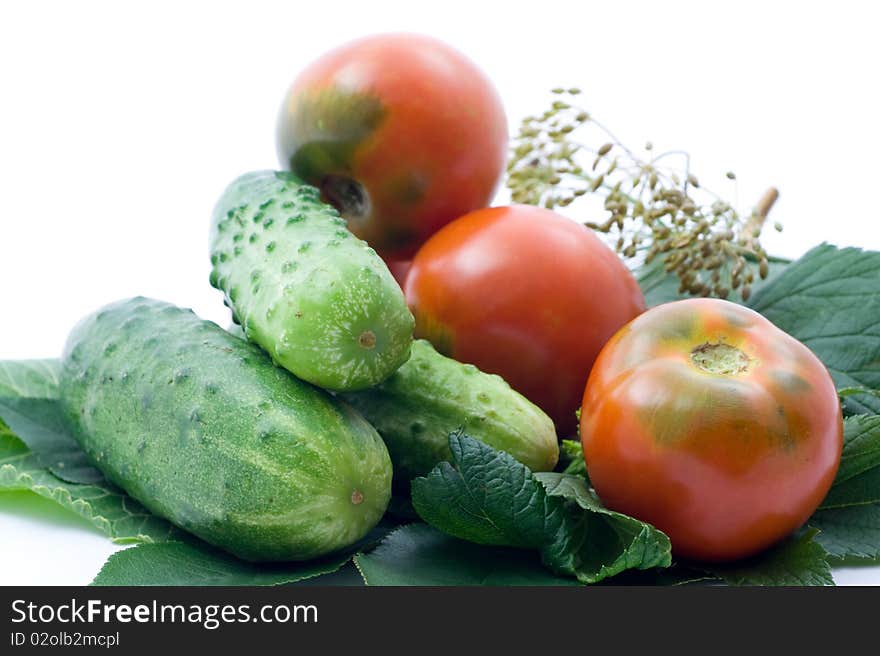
(652,210)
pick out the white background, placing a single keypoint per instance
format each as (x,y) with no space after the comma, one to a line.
(121,123)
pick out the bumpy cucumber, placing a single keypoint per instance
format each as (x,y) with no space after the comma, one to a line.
(431,395)
(202,428)
(320,301)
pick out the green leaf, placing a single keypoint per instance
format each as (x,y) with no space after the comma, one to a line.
(118,516)
(844,392)
(829,300)
(852,532)
(659,286)
(29,407)
(179,563)
(849,517)
(858,478)
(40,424)
(572,457)
(799,560)
(190,561)
(596,542)
(418,554)
(29,378)
(486,497)
(28,403)
(347,575)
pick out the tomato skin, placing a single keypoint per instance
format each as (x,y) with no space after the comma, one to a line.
(525,293)
(400,131)
(725,463)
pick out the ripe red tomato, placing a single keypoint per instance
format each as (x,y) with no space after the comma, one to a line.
(704,419)
(524,293)
(401,133)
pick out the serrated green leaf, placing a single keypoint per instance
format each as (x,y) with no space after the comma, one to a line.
(849,517)
(348,576)
(39,423)
(29,408)
(179,563)
(858,478)
(798,560)
(29,378)
(418,554)
(482,498)
(609,542)
(829,300)
(574,488)
(486,497)
(118,516)
(852,532)
(190,561)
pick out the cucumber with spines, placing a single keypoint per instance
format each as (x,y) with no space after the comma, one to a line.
(432,395)
(319,300)
(203,429)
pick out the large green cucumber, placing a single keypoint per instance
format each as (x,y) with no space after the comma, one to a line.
(318,299)
(431,395)
(202,428)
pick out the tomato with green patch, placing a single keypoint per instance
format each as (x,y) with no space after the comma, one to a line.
(704,419)
(401,133)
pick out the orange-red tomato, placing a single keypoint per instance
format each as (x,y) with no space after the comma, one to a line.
(704,419)
(401,132)
(527,294)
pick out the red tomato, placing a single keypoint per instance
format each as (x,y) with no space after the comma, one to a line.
(704,419)
(525,293)
(402,134)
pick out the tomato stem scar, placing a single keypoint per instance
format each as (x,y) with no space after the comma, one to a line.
(721,359)
(346,195)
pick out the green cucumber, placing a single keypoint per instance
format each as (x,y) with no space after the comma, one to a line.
(202,429)
(319,300)
(431,395)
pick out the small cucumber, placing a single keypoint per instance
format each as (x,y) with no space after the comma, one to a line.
(431,395)
(202,429)
(319,300)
